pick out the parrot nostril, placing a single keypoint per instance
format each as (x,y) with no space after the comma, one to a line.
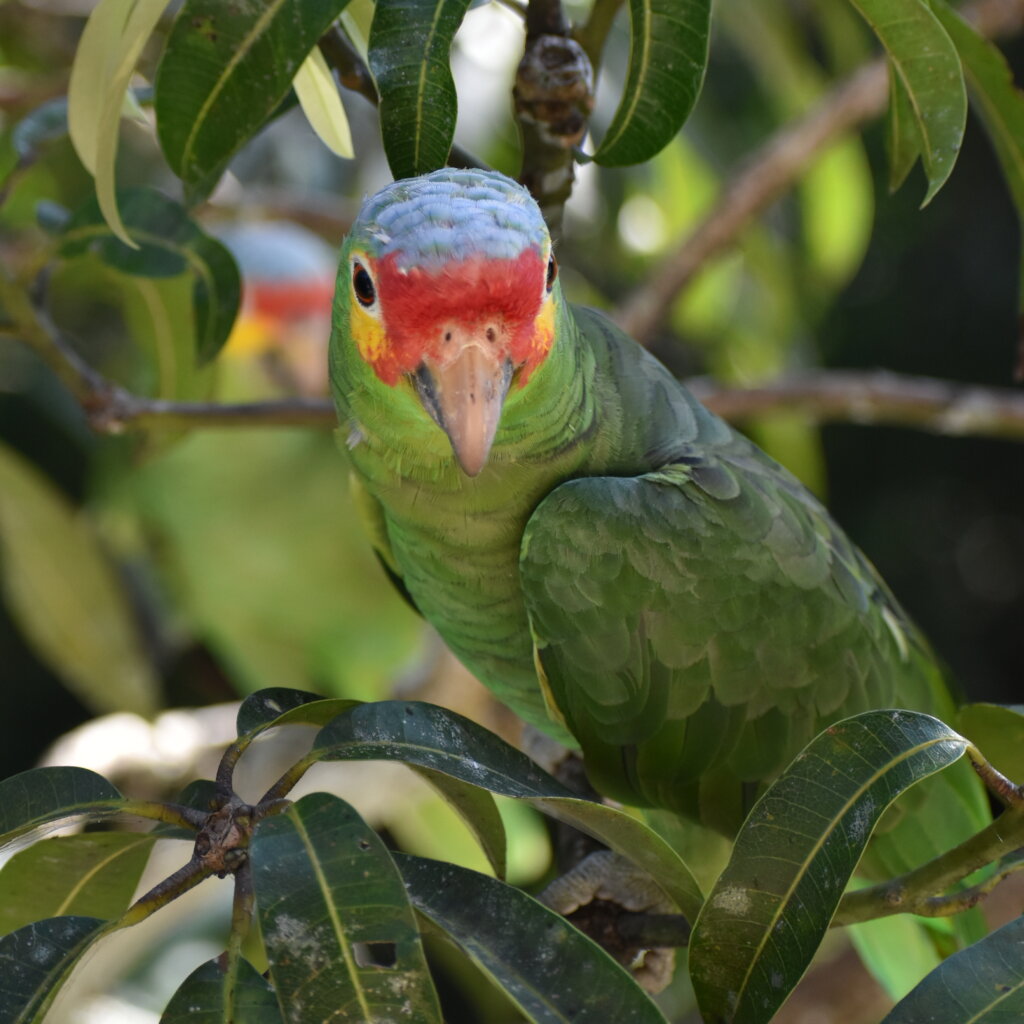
(491,335)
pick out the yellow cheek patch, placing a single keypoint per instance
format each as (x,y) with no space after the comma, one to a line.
(368,333)
(545,333)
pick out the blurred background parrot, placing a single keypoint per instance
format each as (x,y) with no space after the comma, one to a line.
(616,563)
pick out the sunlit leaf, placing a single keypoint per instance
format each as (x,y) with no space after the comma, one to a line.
(169,242)
(439,739)
(320,102)
(796,852)
(42,796)
(65,595)
(553,972)
(225,70)
(107,53)
(408,54)
(340,934)
(35,961)
(89,875)
(980,985)
(998,732)
(902,136)
(926,62)
(213,995)
(668,53)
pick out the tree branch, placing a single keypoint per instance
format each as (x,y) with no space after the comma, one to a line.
(875,397)
(772,170)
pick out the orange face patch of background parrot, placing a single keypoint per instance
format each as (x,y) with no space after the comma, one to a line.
(610,558)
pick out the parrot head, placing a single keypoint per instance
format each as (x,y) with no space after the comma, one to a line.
(447,286)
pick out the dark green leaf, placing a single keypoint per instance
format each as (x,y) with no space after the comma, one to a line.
(44,124)
(335,918)
(439,739)
(478,810)
(408,54)
(90,875)
(903,140)
(998,732)
(42,796)
(35,960)
(980,985)
(796,852)
(550,970)
(928,66)
(997,100)
(225,71)
(170,242)
(261,709)
(668,53)
(210,995)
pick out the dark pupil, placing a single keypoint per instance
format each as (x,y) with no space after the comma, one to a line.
(552,272)
(363,285)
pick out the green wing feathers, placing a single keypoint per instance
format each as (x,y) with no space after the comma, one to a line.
(703,622)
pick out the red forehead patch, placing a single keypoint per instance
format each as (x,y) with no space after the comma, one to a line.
(416,304)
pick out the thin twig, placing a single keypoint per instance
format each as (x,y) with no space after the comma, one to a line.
(876,397)
(773,168)
(921,891)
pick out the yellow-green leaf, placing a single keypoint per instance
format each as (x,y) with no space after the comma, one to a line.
(65,596)
(109,49)
(318,96)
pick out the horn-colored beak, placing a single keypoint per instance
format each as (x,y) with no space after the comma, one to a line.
(464,393)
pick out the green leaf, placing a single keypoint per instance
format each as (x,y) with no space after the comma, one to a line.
(107,53)
(478,810)
(339,932)
(212,995)
(998,732)
(408,54)
(262,709)
(225,71)
(552,972)
(898,951)
(36,959)
(169,242)
(45,124)
(439,739)
(90,875)
(42,796)
(902,137)
(980,985)
(926,62)
(796,852)
(320,102)
(667,56)
(998,102)
(65,595)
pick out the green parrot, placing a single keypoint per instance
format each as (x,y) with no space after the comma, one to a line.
(616,563)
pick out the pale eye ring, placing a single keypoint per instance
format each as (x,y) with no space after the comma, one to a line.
(362,285)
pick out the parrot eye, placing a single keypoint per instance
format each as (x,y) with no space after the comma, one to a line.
(552,271)
(362,285)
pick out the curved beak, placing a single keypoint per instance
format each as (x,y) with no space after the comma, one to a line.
(464,393)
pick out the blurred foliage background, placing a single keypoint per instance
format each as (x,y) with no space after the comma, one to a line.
(233,556)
